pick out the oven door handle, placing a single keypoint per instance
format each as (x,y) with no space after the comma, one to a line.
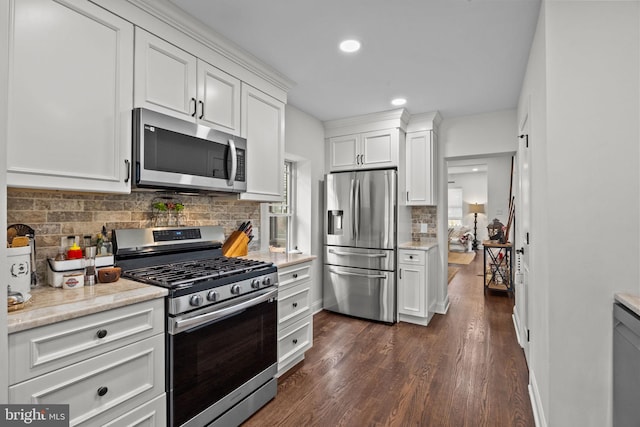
(181,325)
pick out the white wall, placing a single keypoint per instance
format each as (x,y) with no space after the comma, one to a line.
(481,135)
(304,142)
(585,150)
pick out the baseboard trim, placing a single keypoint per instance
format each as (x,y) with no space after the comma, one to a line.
(536,402)
(443,306)
(516,326)
(316,306)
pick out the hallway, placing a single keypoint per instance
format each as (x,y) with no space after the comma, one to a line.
(464,369)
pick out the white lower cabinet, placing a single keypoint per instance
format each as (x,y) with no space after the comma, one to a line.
(417,283)
(107,366)
(295,319)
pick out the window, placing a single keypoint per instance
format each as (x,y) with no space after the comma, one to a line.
(279,217)
(455,207)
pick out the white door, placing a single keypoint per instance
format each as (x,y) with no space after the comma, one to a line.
(262,125)
(379,149)
(70,97)
(218,99)
(523,215)
(344,152)
(165,77)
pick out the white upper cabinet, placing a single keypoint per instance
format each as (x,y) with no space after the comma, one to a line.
(421,171)
(263,127)
(372,141)
(174,82)
(421,161)
(70,97)
(377,149)
(165,77)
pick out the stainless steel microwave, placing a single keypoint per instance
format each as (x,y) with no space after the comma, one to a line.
(174,154)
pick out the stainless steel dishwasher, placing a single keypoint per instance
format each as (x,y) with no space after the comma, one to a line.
(626,367)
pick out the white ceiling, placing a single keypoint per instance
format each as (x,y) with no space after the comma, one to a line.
(459,57)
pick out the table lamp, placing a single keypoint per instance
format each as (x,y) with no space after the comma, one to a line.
(475,209)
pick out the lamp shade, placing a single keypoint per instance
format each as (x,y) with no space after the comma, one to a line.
(476,208)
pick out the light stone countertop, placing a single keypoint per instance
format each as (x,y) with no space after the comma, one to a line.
(281,260)
(632,302)
(50,305)
(423,245)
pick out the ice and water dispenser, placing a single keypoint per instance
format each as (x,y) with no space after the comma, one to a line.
(334,222)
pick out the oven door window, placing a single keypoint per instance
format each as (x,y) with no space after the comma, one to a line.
(212,360)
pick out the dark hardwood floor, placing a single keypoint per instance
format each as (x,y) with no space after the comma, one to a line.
(464,369)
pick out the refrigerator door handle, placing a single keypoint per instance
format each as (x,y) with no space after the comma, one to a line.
(368,276)
(352,213)
(333,251)
(387,204)
(357,214)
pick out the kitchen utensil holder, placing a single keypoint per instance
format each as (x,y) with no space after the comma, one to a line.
(236,245)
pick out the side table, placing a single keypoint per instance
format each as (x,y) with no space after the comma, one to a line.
(498,266)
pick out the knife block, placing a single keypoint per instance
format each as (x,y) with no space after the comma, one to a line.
(236,245)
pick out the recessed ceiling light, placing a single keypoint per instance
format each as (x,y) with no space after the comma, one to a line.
(398,102)
(350,46)
(475,169)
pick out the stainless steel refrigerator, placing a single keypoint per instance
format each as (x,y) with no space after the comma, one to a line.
(360,241)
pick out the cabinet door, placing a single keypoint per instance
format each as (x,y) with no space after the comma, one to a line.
(263,126)
(380,148)
(411,290)
(70,97)
(344,152)
(165,77)
(420,174)
(218,99)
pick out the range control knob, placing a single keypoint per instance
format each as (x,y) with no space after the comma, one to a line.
(212,296)
(255,283)
(266,281)
(235,289)
(195,300)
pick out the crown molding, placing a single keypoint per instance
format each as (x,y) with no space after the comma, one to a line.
(174,16)
(368,122)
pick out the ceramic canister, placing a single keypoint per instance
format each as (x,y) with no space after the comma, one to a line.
(73,281)
(19,263)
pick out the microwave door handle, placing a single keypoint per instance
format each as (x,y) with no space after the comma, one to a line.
(234,163)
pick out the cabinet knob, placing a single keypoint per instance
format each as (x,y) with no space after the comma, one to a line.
(295,275)
(410,256)
(295,341)
(102,333)
(295,304)
(102,391)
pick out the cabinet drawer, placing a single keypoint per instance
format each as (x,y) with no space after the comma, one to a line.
(117,382)
(294,303)
(40,350)
(291,276)
(295,339)
(151,414)
(411,257)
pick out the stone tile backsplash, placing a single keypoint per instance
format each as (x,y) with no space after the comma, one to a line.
(57,214)
(427,215)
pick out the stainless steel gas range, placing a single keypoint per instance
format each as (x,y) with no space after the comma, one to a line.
(221,326)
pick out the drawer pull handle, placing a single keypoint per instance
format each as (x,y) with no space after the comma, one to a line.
(295,341)
(410,256)
(102,333)
(102,391)
(295,304)
(295,275)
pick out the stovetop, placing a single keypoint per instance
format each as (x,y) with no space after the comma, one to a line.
(187,273)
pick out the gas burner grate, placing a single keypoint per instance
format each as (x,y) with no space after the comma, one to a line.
(176,274)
